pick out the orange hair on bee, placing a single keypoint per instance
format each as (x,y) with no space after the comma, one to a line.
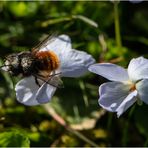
(48,59)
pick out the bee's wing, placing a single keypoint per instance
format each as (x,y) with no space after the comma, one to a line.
(47,40)
(56,81)
(53,80)
(57,44)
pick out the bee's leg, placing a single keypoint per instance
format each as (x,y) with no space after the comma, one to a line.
(54,74)
(50,76)
(37,82)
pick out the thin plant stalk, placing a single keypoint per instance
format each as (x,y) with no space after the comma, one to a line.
(62,122)
(126,133)
(117,24)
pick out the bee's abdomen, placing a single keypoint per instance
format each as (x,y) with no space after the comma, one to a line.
(47,60)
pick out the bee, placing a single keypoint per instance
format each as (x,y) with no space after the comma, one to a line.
(43,66)
(40,64)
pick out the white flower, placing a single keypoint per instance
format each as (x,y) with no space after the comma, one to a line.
(135,1)
(73,63)
(127,86)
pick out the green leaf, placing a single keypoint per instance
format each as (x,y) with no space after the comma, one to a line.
(21,9)
(14,139)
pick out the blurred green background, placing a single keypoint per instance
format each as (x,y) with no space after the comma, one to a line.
(92,29)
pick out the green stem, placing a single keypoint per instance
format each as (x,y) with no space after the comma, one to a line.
(110,120)
(146,143)
(125,134)
(117,24)
(125,137)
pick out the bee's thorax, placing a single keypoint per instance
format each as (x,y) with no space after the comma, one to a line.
(47,60)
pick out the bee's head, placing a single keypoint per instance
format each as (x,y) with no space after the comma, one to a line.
(11,64)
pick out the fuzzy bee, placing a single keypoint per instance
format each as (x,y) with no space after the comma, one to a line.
(42,68)
(39,64)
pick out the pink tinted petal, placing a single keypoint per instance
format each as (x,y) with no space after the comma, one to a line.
(110,71)
(142,88)
(138,69)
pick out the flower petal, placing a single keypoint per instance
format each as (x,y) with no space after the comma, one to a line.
(45,93)
(114,97)
(128,101)
(142,88)
(135,1)
(110,71)
(58,44)
(138,69)
(75,63)
(29,93)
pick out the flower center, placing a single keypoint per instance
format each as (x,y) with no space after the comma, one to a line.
(132,86)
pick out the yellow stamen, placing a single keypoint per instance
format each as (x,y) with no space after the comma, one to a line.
(132,86)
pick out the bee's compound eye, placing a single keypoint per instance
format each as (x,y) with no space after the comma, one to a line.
(12,62)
